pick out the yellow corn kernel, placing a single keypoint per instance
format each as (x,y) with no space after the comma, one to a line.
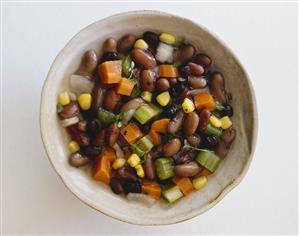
(146,96)
(118,163)
(64,98)
(73,146)
(215,121)
(225,122)
(167,38)
(139,170)
(200,182)
(163,98)
(134,160)
(84,101)
(140,43)
(188,105)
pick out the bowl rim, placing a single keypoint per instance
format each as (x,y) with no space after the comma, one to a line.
(227,188)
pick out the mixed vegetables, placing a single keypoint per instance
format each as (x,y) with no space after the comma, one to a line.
(149,117)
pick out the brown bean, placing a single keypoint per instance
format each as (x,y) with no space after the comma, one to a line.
(173,81)
(194,92)
(217,87)
(99,139)
(116,185)
(187,170)
(203,60)
(176,122)
(149,167)
(70,110)
(204,117)
(196,69)
(147,80)
(76,159)
(81,138)
(172,147)
(227,138)
(190,123)
(143,58)
(197,82)
(184,156)
(109,45)
(125,43)
(97,97)
(186,53)
(112,134)
(111,99)
(88,64)
(194,140)
(132,104)
(162,84)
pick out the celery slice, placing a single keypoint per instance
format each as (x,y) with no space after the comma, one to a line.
(146,112)
(106,116)
(164,168)
(172,194)
(210,130)
(142,146)
(208,160)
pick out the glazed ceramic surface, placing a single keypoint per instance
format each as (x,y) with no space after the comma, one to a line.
(99,195)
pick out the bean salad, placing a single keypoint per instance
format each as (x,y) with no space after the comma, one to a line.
(148,116)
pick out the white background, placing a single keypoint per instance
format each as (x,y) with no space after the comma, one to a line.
(263,36)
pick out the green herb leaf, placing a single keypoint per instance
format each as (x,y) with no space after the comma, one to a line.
(187,146)
(219,106)
(127,66)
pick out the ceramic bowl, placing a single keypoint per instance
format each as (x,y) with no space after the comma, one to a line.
(98,195)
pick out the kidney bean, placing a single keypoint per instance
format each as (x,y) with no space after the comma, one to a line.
(81,138)
(185,53)
(187,170)
(203,60)
(151,38)
(143,58)
(173,81)
(109,45)
(217,87)
(190,123)
(112,133)
(226,139)
(176,122)
(99,139)
(90,151)
(172,147)
(194,140)
(149,167)
(132,104)
(97,97)
(82,125)
(183,157)
(70,110)
(162,84)
(147,80)
(93,126)
(197,82)
(76,159)
(116,185)
(204,117)
(111,99)
(88,64)
(196,69)
(125,43)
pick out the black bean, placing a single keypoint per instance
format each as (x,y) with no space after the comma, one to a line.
(151,38)
(116,185)
(228,110)
(93,126)
(210,141)
(110,56)
(132,186)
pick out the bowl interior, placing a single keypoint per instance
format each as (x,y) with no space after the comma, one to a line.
(98,195)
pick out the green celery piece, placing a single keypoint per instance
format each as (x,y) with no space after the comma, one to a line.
(137,150)
(106,116)
(209,160)
(145,144)
(146,112)
(210,130)
(172,194)
(164,168)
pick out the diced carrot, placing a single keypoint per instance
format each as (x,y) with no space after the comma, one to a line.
(102,170)
(168,71)
(109,153)
(125,87)
(110,72)
(204,100)
(131,133)
(160,126)
(184,183)
(154,137)
(152,189)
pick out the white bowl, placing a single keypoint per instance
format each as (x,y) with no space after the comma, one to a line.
(98,195)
